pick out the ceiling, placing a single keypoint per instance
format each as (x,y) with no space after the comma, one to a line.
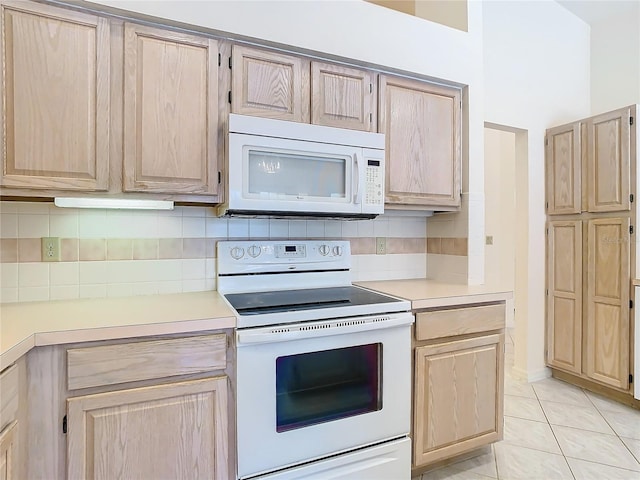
(594,11)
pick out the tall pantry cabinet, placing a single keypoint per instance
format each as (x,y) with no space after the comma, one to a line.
(590,166)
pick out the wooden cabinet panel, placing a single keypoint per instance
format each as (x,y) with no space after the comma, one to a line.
(563,160)
(564,299)
(176,430)
(421,122)
(458,397)
(607,324)
(55,97)
(343,97)
(8,453)
(608,142)
(170,112)
(459,321)
(9,398)
(130,362)
(269,84)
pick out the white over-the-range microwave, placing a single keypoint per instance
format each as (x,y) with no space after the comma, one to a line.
(281,168)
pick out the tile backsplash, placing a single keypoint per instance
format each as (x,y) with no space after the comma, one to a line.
(119,253)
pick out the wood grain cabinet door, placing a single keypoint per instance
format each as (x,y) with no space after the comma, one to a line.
(176,430)
(170,112)
(458,397)
(564,297)
(343,97)
(421,122)
(608,143)
(54,92)
(269,84)
(608,322)
(563,170)
(8,453)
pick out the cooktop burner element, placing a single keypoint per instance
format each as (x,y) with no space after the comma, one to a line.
(257,303)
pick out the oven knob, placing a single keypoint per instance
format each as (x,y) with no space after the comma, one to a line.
(254,251)
(324,250)
(337,251)
(237,252)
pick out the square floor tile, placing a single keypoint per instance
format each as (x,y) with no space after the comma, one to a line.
(528,408)
(530,434)
(481,465)
(516,463)
(625,423)
(633,445)
(449,473)
(584,470)
(594,447)
(554,390)
(518,388)
(585,417)
(607,405)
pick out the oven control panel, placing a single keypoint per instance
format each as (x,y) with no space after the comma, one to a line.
(255,256)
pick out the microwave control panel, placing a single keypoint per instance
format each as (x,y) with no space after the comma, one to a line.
(374,194)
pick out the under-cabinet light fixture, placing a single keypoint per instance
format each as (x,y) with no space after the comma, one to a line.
(113,203)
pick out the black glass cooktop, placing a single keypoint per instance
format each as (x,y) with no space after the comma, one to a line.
(256,303)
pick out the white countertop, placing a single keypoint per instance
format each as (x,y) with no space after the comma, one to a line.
(425,293)
(27,325)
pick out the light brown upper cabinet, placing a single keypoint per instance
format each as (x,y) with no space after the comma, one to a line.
(269,84)
(170,112)
(564,307)
(421,122)
(608,144)
(343,97)
(563,152)
(55,97)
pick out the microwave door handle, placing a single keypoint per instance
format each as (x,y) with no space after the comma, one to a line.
(357,198)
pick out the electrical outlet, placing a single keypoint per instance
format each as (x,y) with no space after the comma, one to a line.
(381,246)
(489,240)
(50,249)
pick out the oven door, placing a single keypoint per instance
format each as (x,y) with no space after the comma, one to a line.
(316,389)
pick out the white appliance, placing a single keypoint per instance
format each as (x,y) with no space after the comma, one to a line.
(282,168)
(323,367)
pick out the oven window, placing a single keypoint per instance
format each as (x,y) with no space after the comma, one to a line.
(323,386)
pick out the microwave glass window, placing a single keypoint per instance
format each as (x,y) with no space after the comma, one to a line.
(324,386)
(280,175)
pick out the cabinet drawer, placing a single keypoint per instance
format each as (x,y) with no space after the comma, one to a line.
(8,396)
(459,321)
(130,362)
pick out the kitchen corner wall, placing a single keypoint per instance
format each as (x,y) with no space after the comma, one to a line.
(106,253)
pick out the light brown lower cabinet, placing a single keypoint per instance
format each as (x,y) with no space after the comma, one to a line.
(8,452)
(458,381)
(458,397)
(177,430)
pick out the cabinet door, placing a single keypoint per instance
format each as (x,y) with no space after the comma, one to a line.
(564,297)
(608,143)
(421,122)
(563,161)
(269,84)
(458,397)
(607,339)
(343,97)
(8,452)
(170,112)
(176,430)
(55,98)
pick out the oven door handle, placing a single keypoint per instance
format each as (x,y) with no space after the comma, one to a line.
(301,331)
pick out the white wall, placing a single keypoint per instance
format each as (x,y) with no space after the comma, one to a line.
(615,61)
(500,210)
(536,72)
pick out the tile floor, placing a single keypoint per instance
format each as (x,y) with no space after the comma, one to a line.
(555,431)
